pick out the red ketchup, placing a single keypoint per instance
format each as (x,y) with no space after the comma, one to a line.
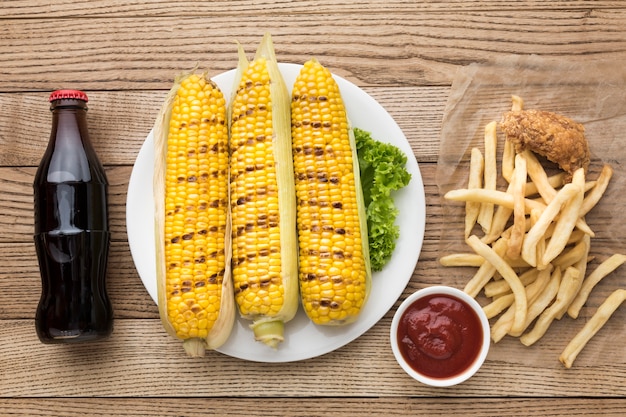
(440,336)
(71,229)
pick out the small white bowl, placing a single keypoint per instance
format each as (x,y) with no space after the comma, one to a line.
(485,340)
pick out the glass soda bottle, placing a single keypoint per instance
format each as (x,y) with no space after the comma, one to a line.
(71,229)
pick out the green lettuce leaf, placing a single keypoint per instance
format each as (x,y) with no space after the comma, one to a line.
(383,171)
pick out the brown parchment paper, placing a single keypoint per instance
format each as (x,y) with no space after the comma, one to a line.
(593,93)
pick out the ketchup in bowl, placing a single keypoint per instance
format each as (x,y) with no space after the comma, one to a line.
(440,336)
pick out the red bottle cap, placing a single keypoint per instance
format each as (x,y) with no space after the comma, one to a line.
(68,94)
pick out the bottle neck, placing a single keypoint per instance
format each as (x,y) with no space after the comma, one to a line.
(70,155)
(69,121)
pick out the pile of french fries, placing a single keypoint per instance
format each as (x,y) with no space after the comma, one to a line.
(532,258)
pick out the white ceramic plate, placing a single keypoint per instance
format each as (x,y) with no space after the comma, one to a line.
(303,339)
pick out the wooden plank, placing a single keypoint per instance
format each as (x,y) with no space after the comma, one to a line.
(132,53)
(140,359)
(119,122)
(108,8)
(301,407)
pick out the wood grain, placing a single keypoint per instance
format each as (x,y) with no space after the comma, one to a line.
(138,52)
(405,54)
(108,8)
(308,407)
(141,360)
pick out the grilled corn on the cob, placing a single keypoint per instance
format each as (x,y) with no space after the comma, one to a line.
(262,196)
(334,268)
(192,215)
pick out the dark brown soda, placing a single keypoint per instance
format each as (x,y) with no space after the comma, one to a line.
(72,234)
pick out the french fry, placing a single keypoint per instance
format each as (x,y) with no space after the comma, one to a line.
(461,259)
(566,293)
(516,263)
(529,247)
(504,325)
(486,270)
(472,209)
(508,160)
(485,215)
(508,152)
(601,184)
(518,184)
(491,196)
(581,266)
(584,227)
(555,181)
(573,255)
(539,177)
(498,305)
(566,221)
(517,103)
(589,185)
(604,269)
(499,221)
(498,288)
(480,278)
(575,237)
(475,260)
(550,281)
(533,288)
(541,243)
(508,274)
(597,321)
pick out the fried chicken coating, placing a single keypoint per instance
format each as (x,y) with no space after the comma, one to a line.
(558,138)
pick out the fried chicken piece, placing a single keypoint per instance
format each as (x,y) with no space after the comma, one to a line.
(558,138)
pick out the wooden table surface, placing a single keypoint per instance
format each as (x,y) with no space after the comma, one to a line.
(124,55)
